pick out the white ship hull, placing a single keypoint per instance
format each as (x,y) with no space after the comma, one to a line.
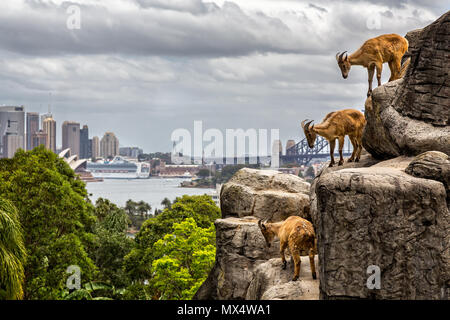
(119,175)
(119,168)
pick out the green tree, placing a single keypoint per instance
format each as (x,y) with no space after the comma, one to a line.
(56,216)
(310,172)
(130,207)
(143,208)
(166,203)
(183,260)
(203,173)
(139,262)
(12,253)
(112,245)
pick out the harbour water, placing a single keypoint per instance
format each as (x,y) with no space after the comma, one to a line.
(152,190)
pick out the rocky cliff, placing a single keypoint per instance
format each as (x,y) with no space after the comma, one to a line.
(393,214)
(411,115)
(245,267)
(384,218)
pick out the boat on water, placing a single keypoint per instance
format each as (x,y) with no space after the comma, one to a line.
(119,168)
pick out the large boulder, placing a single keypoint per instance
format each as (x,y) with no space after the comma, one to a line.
(240,248)
(251,195)
(382,216)
(432,165)
(271,282)
(411,115)
(266,194)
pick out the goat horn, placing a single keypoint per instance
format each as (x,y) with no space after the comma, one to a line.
(260,225)
(337,56)
(303,123)
(308,124)
(341,55)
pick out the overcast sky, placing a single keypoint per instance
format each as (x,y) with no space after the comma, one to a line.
(142,68)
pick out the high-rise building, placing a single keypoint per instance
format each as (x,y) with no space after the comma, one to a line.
(95,147)
(289,145)
(38,138)
(12,130)
(132,152)
(109,145)
(85,150)
(49,128)
(71,137)
(32,127)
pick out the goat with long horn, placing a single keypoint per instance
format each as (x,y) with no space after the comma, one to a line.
(373,53)
(336,125)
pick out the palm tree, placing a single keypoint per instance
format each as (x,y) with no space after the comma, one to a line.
(166,203)
(12,252)
(143,208)
(130,207)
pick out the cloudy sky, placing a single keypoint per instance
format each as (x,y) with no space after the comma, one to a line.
(143,68)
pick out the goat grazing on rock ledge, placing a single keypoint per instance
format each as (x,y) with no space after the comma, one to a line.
(298,234)
(373,53)
(336,125)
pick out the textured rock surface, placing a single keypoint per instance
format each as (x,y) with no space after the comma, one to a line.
(411,115)
(432,165)
(240,248)
(270,282)
(265,194)
(385,217)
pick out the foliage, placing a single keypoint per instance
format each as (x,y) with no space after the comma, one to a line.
(112,244)
(56,217)
(93,291)
(166,203)
(182,269)
(203,173)
(137,212)
(228,171)
(183,260)
(12,252)
(310,172)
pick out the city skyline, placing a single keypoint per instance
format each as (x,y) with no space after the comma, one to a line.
(239,64)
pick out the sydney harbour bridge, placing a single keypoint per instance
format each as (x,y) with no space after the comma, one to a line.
(300,153)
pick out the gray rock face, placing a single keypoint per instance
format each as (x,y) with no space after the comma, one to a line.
(425,95)
(270,282)
(411,115)
(382,216)
(240,248)
(251,195)
(432,165)
(265,194)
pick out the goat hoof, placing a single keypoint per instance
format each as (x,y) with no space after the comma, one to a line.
(284,265)
(350,160)
(340,163)
(331,164)
(314,276)
(295,278)
(357,160)
(369,93)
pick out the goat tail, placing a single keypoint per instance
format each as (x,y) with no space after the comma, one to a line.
(404,67)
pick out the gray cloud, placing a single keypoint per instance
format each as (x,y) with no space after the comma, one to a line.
(144,68)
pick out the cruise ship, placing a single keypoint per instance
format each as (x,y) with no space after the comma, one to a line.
(119,168)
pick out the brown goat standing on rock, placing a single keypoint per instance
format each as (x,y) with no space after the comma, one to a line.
(373,53)
(336,125)
(298,234)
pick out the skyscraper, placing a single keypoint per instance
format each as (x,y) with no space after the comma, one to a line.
(71,137)
(49,128)
(95,147)
(109,145)
(85,151)
(32,127)
(38,138)
(12,130)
